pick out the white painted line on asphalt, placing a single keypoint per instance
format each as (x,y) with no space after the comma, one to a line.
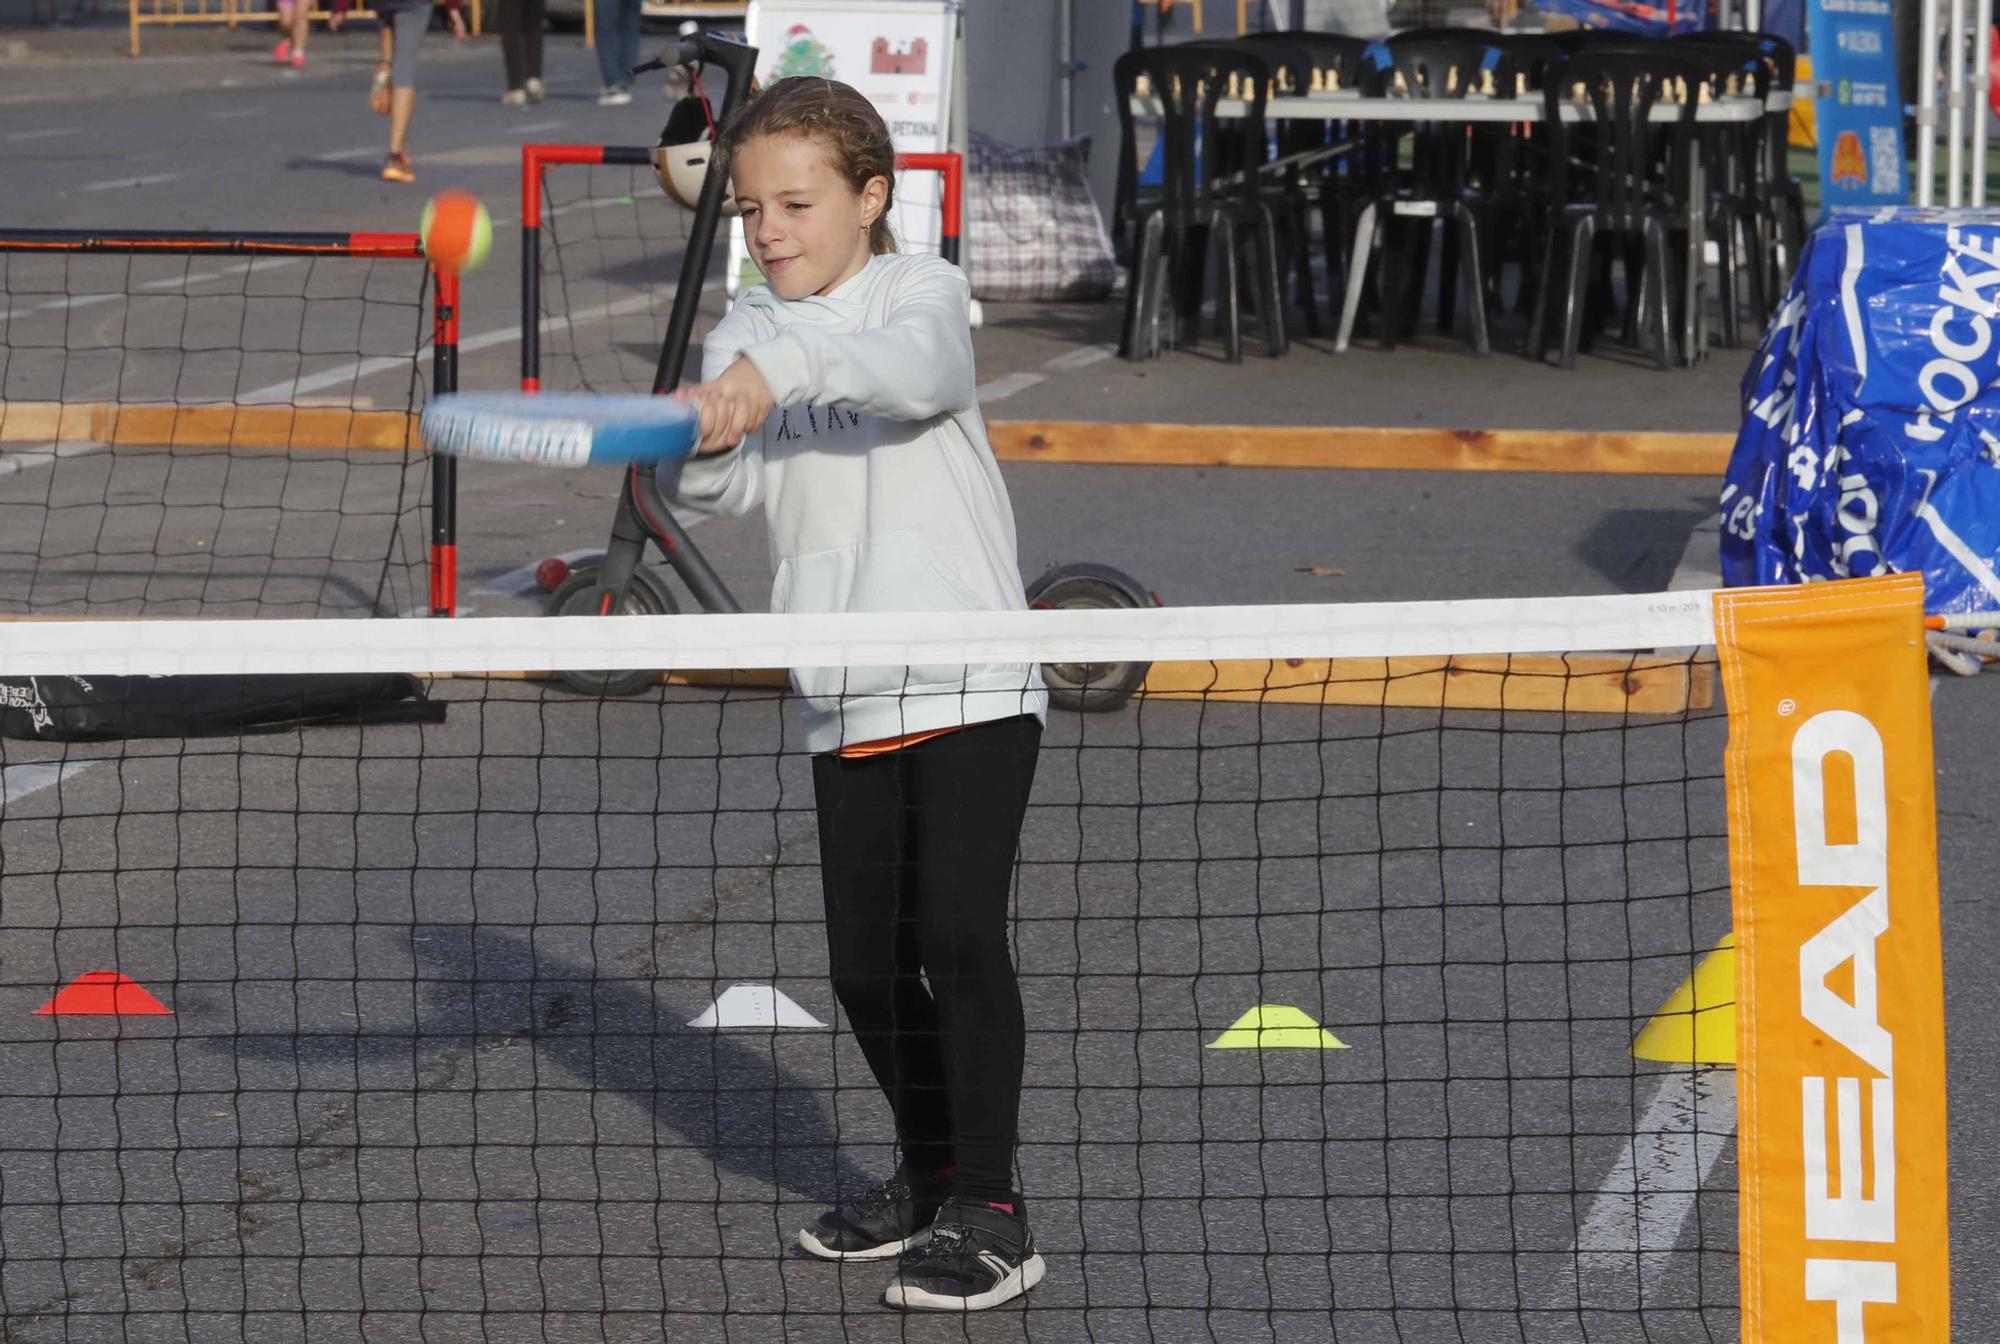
(284,393)
(47,133)
(534,126)
(15,461)
(18,781)
(341,155)
(236,114)
(167,282)
(1067,362)
(1631,1236)
(1008,385)
(346,373)
(1080,359)
(150,180)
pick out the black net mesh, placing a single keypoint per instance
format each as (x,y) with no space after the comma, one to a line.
(517,1025)
(611,244)
(222,435)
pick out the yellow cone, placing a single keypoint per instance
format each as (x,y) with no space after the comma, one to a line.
(1276,1026)
(1697,1024)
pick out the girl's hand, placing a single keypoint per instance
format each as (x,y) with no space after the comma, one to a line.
(732,406)
(457,25)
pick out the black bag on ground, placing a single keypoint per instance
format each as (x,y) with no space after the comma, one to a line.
(98,709)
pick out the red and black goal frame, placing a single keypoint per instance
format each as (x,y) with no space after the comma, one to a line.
(536,158)
(443,553)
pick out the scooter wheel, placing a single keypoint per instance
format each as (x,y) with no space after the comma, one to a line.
(1090,688)
(579,595)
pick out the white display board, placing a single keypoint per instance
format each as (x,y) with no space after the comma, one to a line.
(901,55)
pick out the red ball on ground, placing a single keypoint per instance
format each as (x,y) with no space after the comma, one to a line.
(551,573)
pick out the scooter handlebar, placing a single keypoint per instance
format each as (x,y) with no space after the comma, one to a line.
(695,46)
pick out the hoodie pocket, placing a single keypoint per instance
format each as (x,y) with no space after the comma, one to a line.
(891,572)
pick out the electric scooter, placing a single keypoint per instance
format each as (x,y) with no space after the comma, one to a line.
(620,582)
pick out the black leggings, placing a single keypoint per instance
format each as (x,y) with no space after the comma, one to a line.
(917,857)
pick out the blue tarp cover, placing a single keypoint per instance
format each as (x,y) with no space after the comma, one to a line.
(1871,430)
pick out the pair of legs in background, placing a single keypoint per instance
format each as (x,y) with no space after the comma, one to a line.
(294,22)
(917,851)
(521,23)
(394,94)
(617,33)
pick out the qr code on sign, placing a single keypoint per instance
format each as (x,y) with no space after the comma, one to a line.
(1885,162)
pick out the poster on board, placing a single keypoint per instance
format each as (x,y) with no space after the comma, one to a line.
(1859,107)
(899,54)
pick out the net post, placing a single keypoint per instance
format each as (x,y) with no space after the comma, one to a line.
(535,159)
(444,469)
(951,167)
(531,268)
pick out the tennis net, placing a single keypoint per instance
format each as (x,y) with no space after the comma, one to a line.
(221,424)
(1362,956)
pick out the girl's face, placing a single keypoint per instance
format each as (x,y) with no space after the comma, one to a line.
(807,228)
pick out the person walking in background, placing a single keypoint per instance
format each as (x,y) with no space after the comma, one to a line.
(294,21)
(617,49)
(521,23)
(394,92)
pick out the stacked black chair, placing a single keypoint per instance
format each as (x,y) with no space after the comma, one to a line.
(1764,180)
(1289,196)
(1170,235)
(1517,184)
(1635,184)
(1396,225)
(1346,183)
(1731,152)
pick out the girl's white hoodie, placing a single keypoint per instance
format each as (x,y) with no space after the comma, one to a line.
(878,485)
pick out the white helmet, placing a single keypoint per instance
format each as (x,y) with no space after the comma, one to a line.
(681,159)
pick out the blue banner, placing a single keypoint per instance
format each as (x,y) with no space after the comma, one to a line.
(1859,111)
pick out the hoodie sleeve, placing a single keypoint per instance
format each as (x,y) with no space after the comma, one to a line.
(916,366)
(731,481)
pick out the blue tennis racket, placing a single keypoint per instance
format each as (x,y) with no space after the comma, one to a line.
(564,429)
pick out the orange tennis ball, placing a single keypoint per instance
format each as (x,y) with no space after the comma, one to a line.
(457,231)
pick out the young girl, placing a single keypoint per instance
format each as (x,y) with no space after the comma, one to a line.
(839,396)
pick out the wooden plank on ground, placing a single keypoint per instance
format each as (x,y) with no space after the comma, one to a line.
(1586,684)
(1323,446)
(1578,684)
(1333,446)
(152,425)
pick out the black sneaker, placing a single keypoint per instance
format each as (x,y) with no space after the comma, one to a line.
(888,1219)
(978,1256)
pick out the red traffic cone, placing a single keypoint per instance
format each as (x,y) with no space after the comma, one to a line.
(103,994)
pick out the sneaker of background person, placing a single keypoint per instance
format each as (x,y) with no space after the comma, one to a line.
(396,168)
(887,1219)
(979,1255)
(617,95)
(282,53)
(298,60)
(515,98)
(535,89)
